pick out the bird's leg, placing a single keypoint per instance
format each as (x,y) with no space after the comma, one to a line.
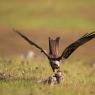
(59,77)
(56,78)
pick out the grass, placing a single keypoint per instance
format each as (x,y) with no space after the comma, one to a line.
(79,77)
(48,14)
(18,75)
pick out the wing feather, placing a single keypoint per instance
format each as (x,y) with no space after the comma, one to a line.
(30,42)
(72,47)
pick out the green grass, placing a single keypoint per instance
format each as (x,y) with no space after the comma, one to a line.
(58,14)
(79,77)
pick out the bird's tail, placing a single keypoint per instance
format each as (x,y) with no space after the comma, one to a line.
(54,47)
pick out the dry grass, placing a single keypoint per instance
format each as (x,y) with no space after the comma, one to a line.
(79,77)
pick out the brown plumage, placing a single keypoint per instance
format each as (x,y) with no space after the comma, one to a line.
(53,53)
(54,46)
(72,47)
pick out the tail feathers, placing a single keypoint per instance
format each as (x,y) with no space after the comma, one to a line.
(54,47)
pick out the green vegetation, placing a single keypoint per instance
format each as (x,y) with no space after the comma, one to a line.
(19,76)
(48,14)
(79,77)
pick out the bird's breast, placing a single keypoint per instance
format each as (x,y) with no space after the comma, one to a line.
(55,63)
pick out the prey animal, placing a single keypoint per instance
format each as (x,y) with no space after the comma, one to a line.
(52,56)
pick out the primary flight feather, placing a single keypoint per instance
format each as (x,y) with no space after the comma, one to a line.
(72,47)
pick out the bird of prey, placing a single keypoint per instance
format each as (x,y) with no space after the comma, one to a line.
(53,57)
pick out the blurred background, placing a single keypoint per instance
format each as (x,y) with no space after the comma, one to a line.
(39,19)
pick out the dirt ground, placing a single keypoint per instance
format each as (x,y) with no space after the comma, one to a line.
(12,44)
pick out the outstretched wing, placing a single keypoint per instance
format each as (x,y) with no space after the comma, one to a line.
(31,42)
(71,48)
